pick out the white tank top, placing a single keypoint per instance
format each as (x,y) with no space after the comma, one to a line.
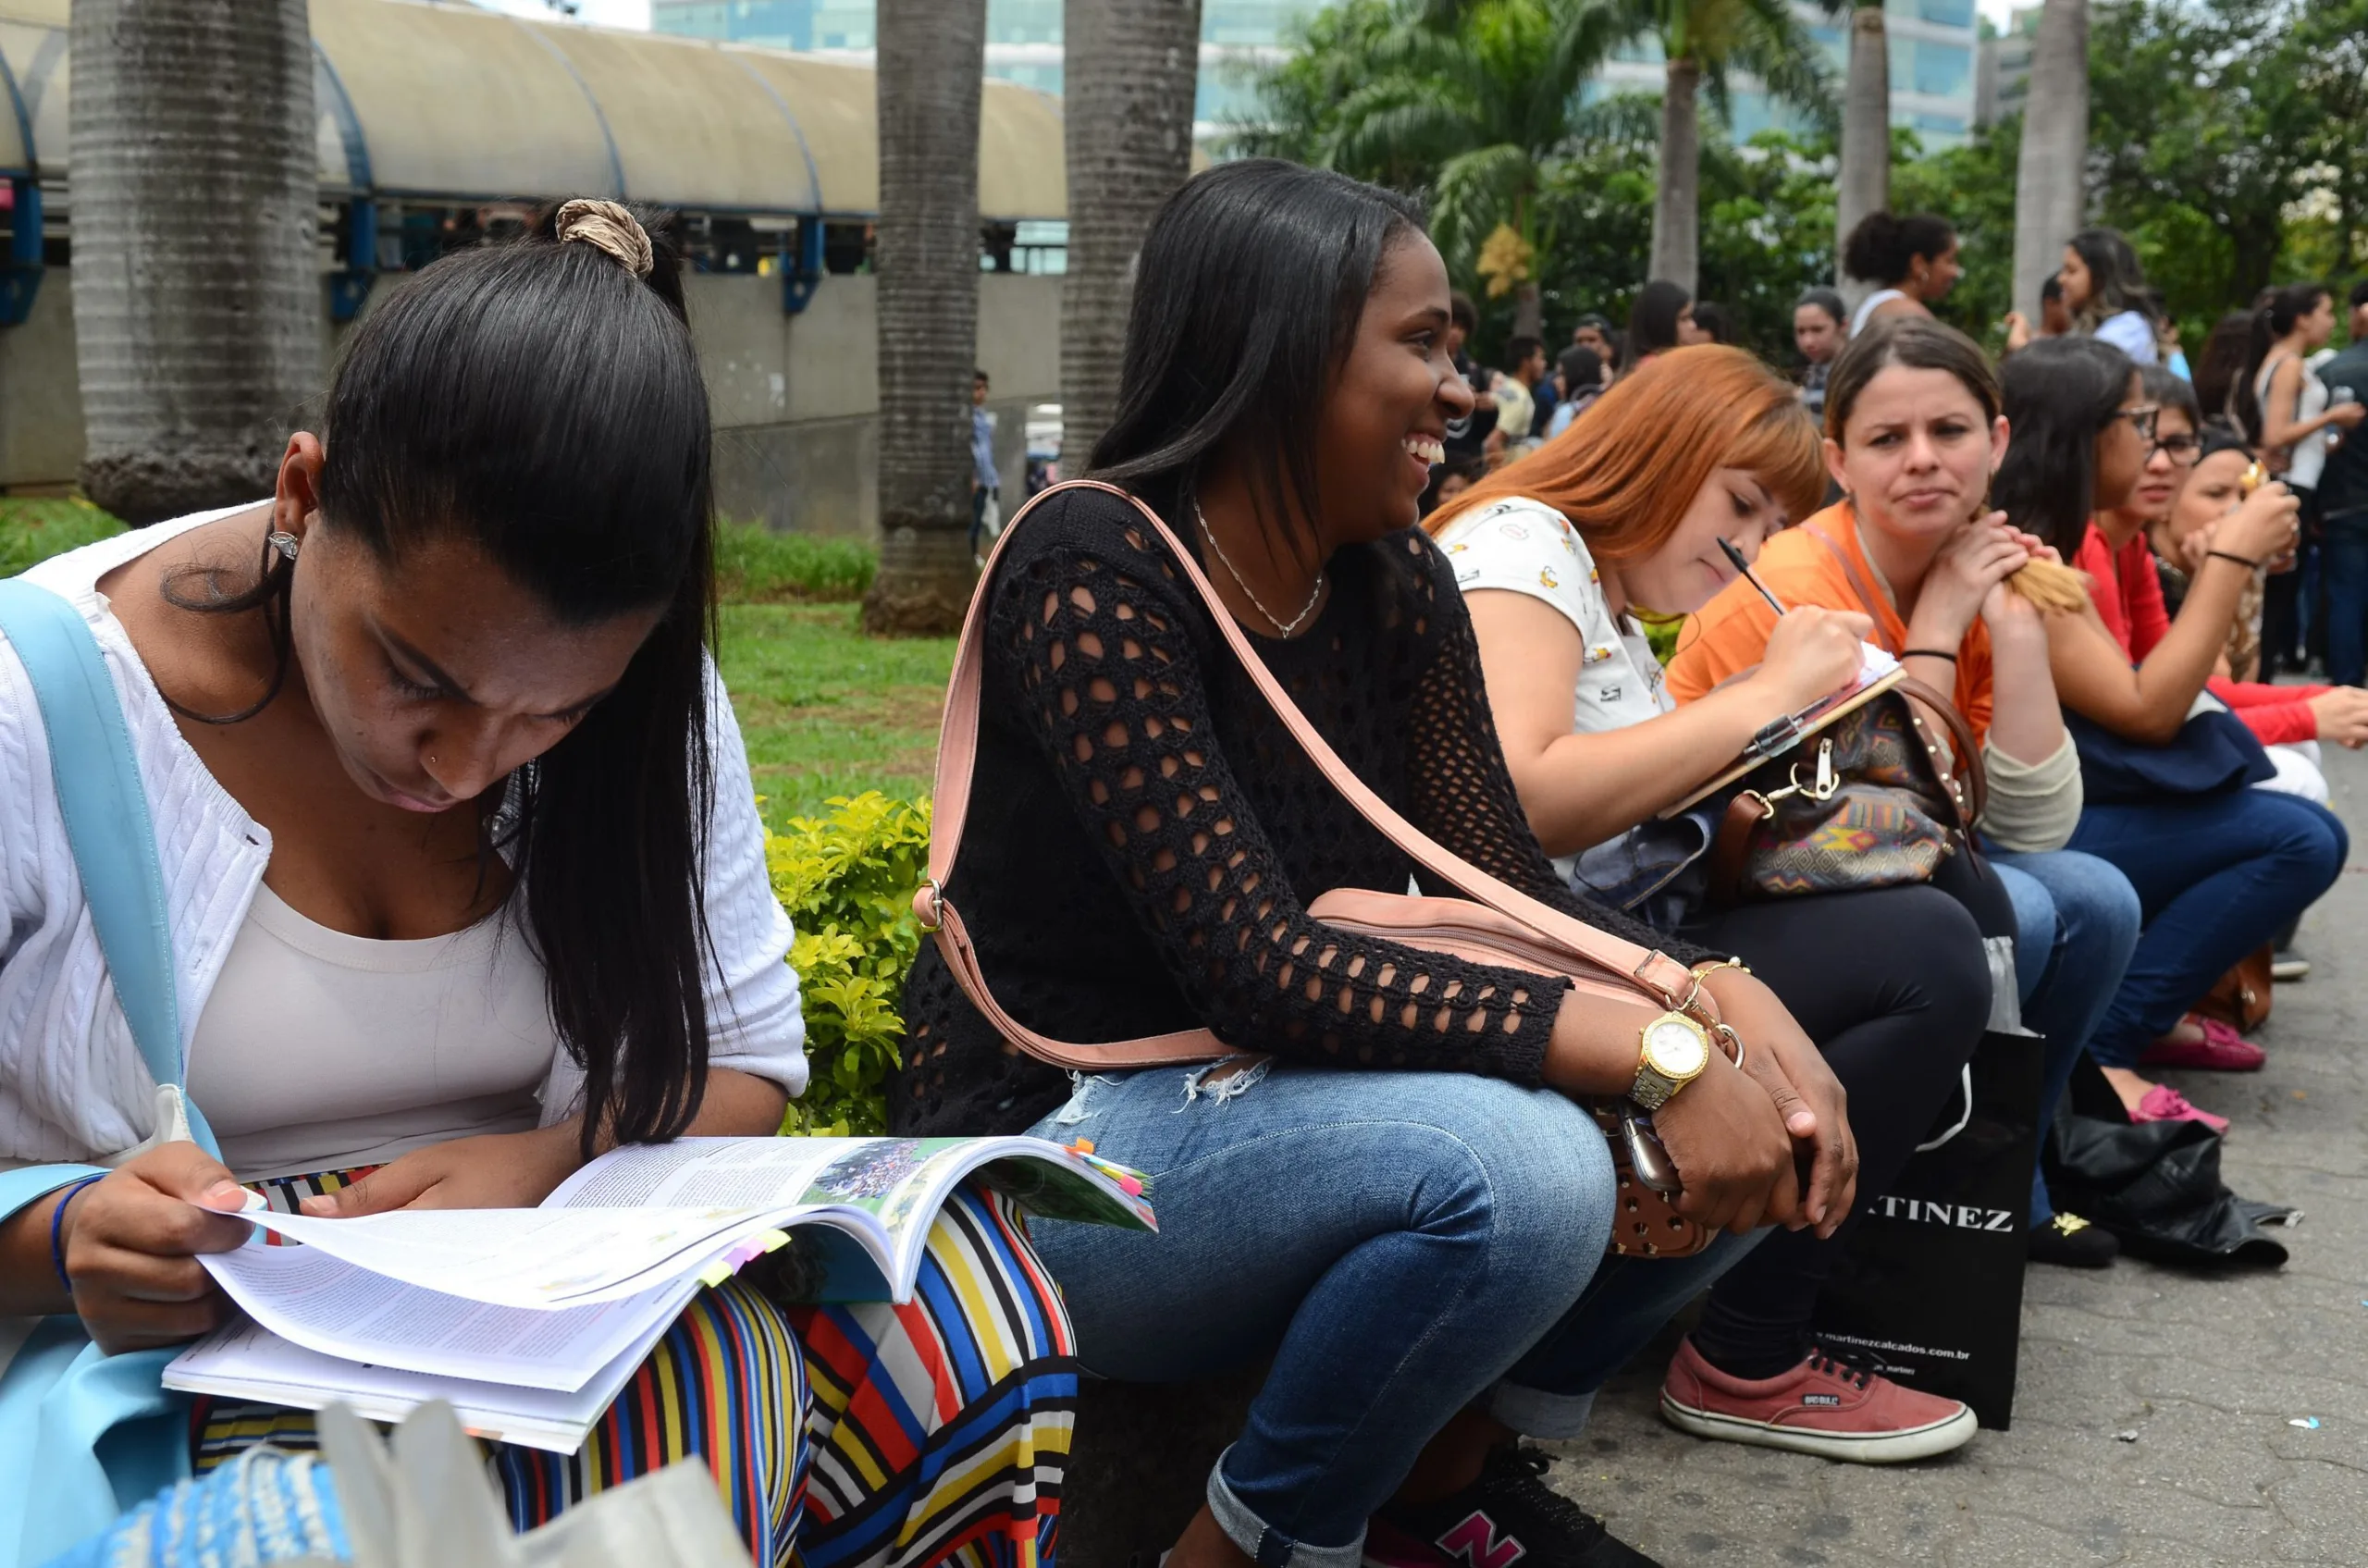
(1867,307)
(2310,460)
(320,1051)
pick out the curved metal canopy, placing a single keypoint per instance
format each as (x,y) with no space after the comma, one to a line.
(426,100)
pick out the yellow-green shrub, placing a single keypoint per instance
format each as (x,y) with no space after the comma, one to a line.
(847,879)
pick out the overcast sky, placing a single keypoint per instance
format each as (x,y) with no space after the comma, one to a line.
(635,13)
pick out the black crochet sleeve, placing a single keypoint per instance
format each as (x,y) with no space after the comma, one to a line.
(1113,686)
(1463,793)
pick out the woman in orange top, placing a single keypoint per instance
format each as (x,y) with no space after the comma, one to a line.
(1914,430)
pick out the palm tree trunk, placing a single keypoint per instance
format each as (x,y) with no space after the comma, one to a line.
(1865,183)
(1529,310)
(1677,205)
(2050,197)
(1130,71)
(197,292)
(931,66)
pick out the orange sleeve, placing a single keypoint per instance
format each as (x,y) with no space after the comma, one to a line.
(1721,641)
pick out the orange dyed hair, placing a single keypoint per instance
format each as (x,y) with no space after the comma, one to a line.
(1627,469)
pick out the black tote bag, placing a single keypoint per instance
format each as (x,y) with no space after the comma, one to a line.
(1930,1288)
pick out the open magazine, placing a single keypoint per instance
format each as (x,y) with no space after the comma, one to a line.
(529,1321)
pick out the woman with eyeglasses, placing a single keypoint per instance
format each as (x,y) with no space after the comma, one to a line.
(2216,874)
(2179,503)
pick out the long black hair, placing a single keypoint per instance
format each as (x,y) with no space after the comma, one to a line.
(1884,247)
(2285,311)
(2116,282)
(2060,395)
(1652,320)
(539,401)
(1247,291)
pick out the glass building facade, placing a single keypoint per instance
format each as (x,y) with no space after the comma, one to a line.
(1933,47)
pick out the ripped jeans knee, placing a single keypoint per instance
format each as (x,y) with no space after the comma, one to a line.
(1242,1074)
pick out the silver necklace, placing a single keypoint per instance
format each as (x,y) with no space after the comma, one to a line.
(1290,627)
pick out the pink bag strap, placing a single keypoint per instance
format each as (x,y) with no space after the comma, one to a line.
(1652,972)
(1868,600)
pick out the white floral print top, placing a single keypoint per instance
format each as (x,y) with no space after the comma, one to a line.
(1524,546)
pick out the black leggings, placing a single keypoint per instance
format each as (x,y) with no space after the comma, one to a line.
(1894,986)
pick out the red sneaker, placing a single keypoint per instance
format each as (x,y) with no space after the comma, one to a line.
(2222,1049)
(1822,1406)
(2163,1103)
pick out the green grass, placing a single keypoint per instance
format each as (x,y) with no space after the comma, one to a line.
(754,565)
(32,530)
(826,711)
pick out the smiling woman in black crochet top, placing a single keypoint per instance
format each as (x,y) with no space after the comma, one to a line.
(1404,1206)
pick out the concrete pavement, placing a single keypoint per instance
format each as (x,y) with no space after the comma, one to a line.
(2209,1371)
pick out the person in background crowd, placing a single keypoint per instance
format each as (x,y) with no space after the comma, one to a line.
(1709,324)
(2220,365)
(1600,337)
(1911,260)
(1554,554)
(1581,374)
(1657,322)
(1912,434)
(2166,336)
(1451,479)
(1819,334)
(1516,401)
(2343,508)
(2055,320)
(1468,434)
(1525,363)
(1423,1261)
(2282,406)
(2105,291)
(2289,721)
(2217,874)
(986,480)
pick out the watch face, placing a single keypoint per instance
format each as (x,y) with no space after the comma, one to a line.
(1675,1048)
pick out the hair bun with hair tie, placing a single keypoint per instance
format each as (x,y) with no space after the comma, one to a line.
(611,227)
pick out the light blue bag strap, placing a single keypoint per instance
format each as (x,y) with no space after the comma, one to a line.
(106,808)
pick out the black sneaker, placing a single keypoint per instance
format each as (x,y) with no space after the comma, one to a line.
(1509,1515)
(2069,1241)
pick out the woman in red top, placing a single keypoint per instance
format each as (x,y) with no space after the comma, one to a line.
(2216,874)
(2191,485)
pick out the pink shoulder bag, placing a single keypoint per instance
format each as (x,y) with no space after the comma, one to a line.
(1496,924)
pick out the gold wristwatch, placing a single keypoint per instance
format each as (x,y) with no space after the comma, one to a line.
(1676,1049)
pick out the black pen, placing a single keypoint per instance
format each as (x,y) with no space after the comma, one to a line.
(1744,567)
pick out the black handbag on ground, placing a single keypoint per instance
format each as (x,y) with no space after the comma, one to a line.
(2156,1185)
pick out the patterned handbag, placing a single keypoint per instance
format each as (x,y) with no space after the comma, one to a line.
(1878,803)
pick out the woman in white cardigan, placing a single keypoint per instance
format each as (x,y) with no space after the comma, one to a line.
(464,883)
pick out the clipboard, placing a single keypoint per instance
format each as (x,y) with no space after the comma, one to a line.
(1780,735)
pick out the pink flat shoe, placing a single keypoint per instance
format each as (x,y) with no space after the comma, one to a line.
(2222,1049)
(2165,1103)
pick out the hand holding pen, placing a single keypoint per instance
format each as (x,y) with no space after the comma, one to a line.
(1813,651)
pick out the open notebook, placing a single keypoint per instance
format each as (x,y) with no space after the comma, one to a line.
(530,1320)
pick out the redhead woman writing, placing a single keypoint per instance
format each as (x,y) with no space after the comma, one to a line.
(1912,434)
(466,885)
(1403,1204)
(1556,555)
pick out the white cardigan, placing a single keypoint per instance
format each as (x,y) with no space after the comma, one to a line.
(72,1085)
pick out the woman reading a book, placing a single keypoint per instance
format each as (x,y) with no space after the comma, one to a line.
(466,885)
(2218,870)
(1913,435)
(1399,1200)
(1557,555)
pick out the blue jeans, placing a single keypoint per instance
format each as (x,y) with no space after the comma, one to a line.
(2077,922)
(1403,1245)
(2216,876)
(2345,558)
